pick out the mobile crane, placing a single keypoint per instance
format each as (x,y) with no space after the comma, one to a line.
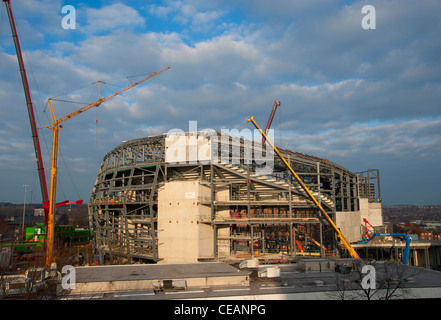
(55,127)
(403,236)
(366,223)
(48,200)
(340,234)
(35,137)
(270,120)
(37,149)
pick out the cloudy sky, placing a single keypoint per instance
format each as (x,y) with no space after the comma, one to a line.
(363,98)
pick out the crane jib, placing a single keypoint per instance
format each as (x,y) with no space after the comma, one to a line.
(342,237)
(55,126)
(36,141)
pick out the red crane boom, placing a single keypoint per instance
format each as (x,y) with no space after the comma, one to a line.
(270,120)
(41,174)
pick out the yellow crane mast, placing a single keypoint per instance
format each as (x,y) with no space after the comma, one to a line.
(340,234)
(55,127)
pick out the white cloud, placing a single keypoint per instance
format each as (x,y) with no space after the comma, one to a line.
(188,13)
(399,140)
(112,17)
(346,94)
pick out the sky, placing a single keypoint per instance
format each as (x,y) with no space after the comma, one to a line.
(362,97)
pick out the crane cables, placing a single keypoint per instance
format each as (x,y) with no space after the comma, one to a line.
(106,82)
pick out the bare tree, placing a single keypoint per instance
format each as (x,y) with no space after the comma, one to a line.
(390,281)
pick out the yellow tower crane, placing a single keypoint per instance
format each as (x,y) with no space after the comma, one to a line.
(55,127)
(340,234)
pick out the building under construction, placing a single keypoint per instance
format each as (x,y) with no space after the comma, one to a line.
(201,196)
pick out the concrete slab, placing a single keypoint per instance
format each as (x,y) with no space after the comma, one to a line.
(153,271)
(140,277)
(293,284)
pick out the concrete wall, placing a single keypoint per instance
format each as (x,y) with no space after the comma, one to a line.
(182,238)
(223,232)
(351,223)
(372,212)
(205,231)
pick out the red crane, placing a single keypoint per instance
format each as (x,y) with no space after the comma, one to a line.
(270,120)
(41,175)
(366,223)
(35,138)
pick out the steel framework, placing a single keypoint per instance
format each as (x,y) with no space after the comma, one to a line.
(267,213)
(369,182)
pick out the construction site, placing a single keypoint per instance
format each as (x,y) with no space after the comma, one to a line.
(200,208)
(152,202)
